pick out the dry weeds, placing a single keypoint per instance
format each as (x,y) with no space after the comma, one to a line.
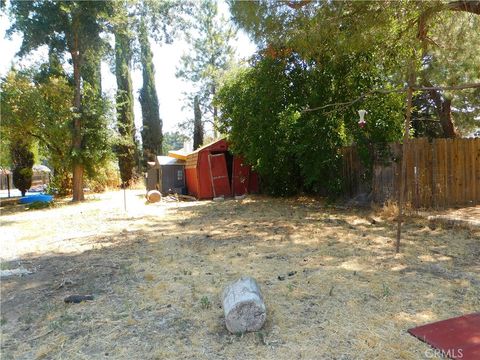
(157,272)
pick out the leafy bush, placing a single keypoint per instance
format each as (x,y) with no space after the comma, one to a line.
(36,205)
(293,149)
(105,178)
(22,159)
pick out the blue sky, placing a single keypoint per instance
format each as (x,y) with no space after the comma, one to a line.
(165,57)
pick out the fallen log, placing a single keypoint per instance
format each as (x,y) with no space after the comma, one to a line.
(243,306)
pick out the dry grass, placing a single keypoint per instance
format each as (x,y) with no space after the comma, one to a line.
(158,270)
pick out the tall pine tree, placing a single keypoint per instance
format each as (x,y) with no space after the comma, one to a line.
(211,54)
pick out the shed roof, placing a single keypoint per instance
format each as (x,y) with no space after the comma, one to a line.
(208,145)
(178,154)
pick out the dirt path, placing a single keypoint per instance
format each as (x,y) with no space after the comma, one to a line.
(157,272)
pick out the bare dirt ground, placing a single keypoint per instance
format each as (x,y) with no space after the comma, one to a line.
(157,272)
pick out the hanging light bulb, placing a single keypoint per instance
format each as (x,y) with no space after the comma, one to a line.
(362,121)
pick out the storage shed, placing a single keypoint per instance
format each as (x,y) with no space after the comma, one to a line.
(166,175)
(212,171)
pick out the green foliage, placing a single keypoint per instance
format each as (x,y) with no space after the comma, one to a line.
(451,58)
(36,105)
(106,177)
(391,35)
(36,108)
(210,56)
(161,20)
(173,141)
(97,133)
(126,148)
(263,110)
(38,205)
(22,160)
(205,303)
(152,137)
(72,28)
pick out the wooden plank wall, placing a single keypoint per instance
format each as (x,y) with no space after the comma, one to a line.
(440,173)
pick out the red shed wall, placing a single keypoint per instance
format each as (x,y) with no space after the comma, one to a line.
(204,181)
(191,174)
(191,178)
(197,172)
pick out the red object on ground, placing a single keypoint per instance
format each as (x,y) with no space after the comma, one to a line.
(213,171)
(457,338)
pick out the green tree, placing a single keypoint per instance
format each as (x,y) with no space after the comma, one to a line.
(266,112)
(22,161)
(36,105)
(173,141)
(393,32)
(446,60)
(152,136)
(161,20)
(73,28)
(197,124)
(210,55)
(126,147)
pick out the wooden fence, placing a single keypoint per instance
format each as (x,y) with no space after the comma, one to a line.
(440,173)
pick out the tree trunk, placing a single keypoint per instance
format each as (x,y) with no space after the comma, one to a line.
(197,125)
(77,188)
(215,114)
(444,111)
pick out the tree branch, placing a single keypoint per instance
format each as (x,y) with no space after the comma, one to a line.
(42,139)
(399,90)
(465,5)
(470,6)
(455,87)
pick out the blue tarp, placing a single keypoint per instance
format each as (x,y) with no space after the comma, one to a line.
(34,198)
